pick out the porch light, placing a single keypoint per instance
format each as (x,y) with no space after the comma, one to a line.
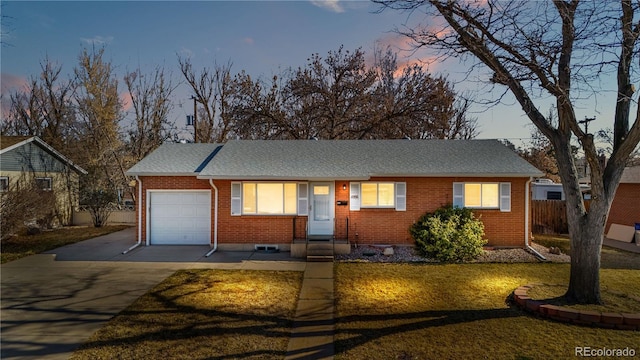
(344,186)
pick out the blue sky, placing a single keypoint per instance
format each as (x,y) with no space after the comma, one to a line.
(260,37)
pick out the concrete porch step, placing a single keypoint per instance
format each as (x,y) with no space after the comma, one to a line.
(320,258)
(319,246)
(320,252)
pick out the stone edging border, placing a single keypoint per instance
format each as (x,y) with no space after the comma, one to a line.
(621,321)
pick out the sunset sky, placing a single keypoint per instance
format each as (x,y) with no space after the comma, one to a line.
(261,37)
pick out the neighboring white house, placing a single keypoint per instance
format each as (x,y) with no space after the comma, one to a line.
(545,189)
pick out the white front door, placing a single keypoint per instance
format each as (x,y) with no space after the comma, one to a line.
(321,210)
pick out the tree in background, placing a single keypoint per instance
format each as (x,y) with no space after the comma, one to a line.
(558,49)
(44,108)
(340,97)
(99,112)
(210,88)
(151,103)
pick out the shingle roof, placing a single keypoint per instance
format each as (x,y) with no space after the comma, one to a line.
(174,159)
(336,159)
(362,159)
(9,143)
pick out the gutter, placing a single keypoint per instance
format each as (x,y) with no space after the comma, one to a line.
(215,219)
(526,222)
(139,218)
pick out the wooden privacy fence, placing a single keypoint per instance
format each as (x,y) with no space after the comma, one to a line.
(550,216)
(119,217)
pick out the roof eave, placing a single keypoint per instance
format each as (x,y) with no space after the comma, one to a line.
(48,148)
(150,173)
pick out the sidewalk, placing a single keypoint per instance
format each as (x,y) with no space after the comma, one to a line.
(313,329)
(630,247)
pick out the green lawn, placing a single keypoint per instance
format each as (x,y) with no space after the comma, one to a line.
(22,245)
(458,311)
(204,314)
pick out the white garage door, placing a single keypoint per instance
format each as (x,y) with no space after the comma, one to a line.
(180,217)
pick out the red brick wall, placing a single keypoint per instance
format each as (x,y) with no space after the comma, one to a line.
(367,226)
(169,183)
(625,209)
(383,226)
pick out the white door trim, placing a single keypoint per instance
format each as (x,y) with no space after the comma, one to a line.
(321,227)
(148,196)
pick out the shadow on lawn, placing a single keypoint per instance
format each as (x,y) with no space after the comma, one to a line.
(366,331)
(207,326)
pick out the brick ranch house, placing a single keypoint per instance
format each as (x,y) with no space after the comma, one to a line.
(249,193)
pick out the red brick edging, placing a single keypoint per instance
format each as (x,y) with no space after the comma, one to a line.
(621,321)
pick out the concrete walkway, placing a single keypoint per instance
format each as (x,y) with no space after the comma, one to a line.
(313,329)
(631,247)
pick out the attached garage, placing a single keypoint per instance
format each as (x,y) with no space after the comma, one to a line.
(179,217)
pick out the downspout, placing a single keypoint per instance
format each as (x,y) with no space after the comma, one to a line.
(139,217)
(527,205)
(215,219)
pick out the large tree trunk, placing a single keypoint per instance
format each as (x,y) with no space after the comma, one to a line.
(586,244)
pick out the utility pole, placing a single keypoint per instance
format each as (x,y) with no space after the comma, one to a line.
(586,122)
(195,120)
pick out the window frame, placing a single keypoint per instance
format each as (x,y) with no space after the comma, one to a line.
(503,195)
(378,206)
(240,199)
(45,178)
(4,188)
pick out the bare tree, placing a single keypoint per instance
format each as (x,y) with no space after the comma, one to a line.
(340,97)
(44,108)
(151,103)
(557,49)
(210,88)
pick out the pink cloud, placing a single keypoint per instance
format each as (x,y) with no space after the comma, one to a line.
(127,101)
(248,41)
(12,83)
(408,54)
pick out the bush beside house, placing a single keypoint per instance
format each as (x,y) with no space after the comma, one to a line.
(449,235)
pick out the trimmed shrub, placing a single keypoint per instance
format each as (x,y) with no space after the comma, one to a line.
(449,235)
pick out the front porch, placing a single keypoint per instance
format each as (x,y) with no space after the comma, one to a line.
(319,249)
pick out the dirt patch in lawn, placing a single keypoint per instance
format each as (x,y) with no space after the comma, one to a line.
(458,311)
(202,314)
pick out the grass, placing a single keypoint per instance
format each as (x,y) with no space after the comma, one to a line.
(618,302)
(203,314)
(610,258)
(22,245)
(458,311)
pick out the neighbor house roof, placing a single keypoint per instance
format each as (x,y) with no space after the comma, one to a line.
(175,160)
(9,143)
(338,159)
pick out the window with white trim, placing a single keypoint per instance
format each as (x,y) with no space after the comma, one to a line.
(386,195)
(482,195)
(4,183)
(43,183)
(265,198)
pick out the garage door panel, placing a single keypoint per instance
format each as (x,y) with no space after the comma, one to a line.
(180,218)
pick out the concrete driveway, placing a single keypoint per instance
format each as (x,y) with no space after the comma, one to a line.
(52,303)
